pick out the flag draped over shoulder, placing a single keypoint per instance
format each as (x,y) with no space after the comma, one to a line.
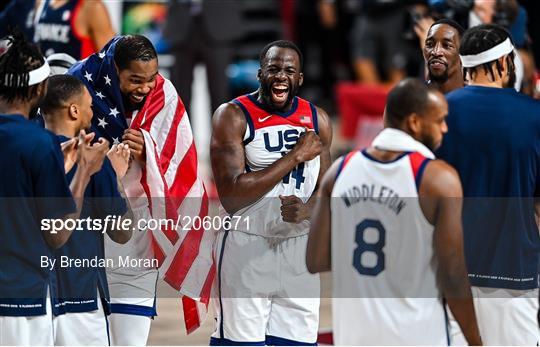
(169,184)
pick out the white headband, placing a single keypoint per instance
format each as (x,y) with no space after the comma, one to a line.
(491,54)
(39,75)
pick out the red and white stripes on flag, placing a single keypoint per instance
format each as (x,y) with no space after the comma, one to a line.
(172,187)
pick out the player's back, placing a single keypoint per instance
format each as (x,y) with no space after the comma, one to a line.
(33,190)
(494,144)
(384,273)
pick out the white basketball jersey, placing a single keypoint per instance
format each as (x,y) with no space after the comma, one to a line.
(383,266)
(268,137)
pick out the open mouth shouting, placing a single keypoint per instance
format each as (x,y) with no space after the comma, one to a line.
(280,94)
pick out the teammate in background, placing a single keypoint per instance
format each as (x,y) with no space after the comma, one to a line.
(416,223)
(441,54)
(75,27)
(83,291)
(268,151)
(132,290)
(32,167)
(494,144)
(137,106)
(60,63)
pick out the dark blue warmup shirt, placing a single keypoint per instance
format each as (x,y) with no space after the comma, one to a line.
(78,286)
(493,141)
(31,165)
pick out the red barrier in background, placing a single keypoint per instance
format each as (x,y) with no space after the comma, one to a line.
(360,108)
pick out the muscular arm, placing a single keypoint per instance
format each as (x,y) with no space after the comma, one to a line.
(98,23)
(318,254)
(237,188)
(441,199)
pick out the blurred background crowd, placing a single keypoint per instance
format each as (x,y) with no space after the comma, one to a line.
(354,50)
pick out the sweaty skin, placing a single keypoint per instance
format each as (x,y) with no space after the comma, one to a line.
(280,77)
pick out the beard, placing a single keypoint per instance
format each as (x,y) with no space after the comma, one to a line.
(130,106)
(266,95)
(439,79)
(429,142)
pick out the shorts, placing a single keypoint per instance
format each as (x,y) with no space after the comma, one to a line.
(263,293)
(82,328)
(504,316)
(129,330)
(29,330)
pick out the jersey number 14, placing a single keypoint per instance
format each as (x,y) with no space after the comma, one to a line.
(297,173)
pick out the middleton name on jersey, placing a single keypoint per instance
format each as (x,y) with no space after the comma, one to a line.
(375,193)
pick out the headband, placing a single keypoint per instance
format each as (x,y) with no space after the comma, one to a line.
(491,54)
(39,75)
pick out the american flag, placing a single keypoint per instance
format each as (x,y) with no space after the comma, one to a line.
(170,183)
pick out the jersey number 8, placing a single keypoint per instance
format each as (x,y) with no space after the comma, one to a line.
(363,246)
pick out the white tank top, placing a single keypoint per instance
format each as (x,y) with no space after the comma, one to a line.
(383,266)
(268,137)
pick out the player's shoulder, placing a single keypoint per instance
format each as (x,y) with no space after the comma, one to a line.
(458,94)
(440,179)
(229,118)
(40,136)
(527,102)
(322,119)
(230,111)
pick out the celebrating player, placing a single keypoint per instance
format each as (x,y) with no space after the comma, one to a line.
(494,146)
(135,105)
(384,217)
(81,316)
(32,167)
(268,150)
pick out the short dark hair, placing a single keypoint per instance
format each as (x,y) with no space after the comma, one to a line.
(481,38)
(407,97)
(281,44)
(20,58)
(133,47)
(61,89)
(450,22)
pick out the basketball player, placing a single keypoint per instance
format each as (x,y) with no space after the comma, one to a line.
(441,54)
(137,106)
(75,27)
(83,291)
(387,214)
(268,150)
(32,167)
(130,72)
(494,146)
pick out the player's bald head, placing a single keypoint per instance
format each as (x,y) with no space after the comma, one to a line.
(410,96)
